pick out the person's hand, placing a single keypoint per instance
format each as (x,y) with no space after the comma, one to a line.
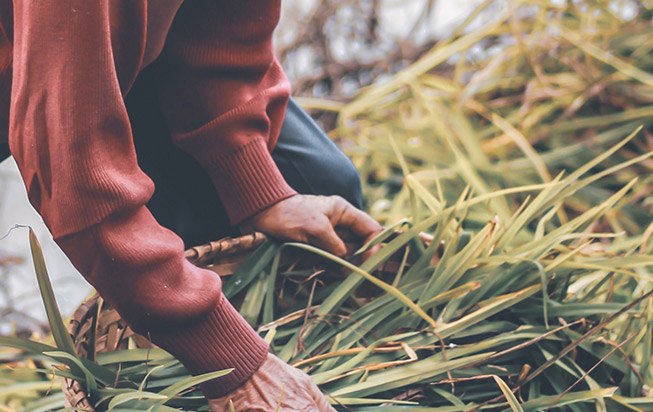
(276,386)
(314,220)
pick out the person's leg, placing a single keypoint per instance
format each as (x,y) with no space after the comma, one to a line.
(185,200)
(311,163)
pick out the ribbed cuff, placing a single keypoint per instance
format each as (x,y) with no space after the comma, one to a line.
(222,340)
(248,181)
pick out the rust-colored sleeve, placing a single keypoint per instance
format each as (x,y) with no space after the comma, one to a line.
(70,134)
(224,95)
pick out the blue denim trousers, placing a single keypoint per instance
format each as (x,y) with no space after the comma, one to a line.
(185,200)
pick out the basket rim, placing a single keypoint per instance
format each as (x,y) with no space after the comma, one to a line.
(74,392)
(200,255)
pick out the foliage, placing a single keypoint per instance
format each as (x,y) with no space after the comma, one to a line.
(529,164)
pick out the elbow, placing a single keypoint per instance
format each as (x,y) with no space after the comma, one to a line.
(139,268)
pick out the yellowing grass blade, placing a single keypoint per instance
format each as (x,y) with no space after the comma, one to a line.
(510,397)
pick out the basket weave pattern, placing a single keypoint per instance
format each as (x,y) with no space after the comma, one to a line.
(97,328)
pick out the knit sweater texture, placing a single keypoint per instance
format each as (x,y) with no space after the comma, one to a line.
(65,69)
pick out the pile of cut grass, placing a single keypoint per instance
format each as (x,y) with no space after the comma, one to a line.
(529,164)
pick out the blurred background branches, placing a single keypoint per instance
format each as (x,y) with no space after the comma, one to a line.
(519,135)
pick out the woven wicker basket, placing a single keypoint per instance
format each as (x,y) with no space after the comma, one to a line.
(95,323)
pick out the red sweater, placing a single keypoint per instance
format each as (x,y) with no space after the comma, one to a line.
(224,96)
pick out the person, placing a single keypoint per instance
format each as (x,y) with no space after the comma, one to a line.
(143,126)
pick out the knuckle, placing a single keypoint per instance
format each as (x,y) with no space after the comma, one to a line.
(338,200)
(339,206)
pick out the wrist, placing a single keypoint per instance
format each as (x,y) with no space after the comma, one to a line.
(248,181)
(221,340)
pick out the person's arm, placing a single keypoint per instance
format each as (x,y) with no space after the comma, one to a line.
(224,96)
(70,135)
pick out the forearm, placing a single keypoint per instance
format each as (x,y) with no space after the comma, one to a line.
(224,95)
(139,268)
(70,135)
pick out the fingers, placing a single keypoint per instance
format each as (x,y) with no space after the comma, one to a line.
(426,238)
(326,238)
(371,251)
(321,402)
(314,219)
(344,214)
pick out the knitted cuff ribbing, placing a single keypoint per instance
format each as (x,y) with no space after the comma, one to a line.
(248,181)
(221,340)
